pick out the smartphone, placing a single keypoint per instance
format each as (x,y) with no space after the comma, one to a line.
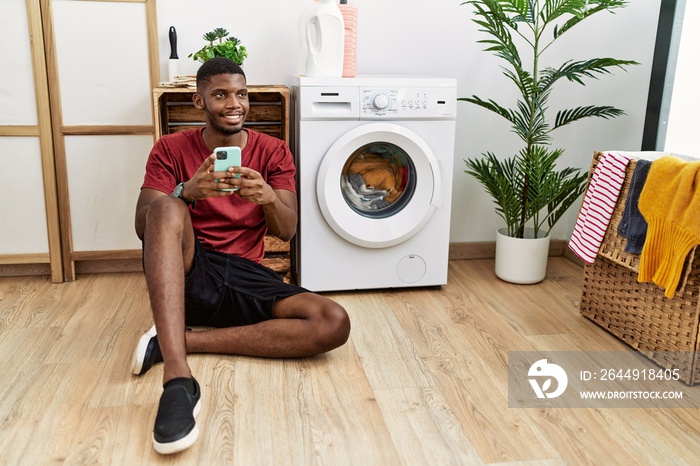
(227,157)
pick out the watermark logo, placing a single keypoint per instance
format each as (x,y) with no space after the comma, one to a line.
(548,372)
(599,379)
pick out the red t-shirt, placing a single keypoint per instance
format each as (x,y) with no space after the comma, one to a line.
(225,224)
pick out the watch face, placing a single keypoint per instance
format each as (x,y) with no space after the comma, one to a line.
(177,192)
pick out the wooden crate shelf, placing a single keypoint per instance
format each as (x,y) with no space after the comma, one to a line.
(269,110)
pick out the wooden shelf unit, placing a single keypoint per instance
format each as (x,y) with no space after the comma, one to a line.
(269,110)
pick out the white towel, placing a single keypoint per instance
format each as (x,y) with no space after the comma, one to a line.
(598,205)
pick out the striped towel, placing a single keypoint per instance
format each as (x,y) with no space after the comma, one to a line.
(598,205)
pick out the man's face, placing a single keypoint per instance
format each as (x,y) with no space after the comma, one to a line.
(225,103)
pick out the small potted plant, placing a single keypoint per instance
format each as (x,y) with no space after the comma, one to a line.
(218,47)
(530,192)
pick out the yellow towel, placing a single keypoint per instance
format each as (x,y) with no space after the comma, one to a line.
(670,203)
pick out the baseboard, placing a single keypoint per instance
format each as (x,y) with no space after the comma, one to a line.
(569,254)
(108,266)
(487,250)
(131,261)
(24,270)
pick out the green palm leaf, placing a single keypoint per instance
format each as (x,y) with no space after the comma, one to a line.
(575,71)
(592,8)
(493,106)
(554,9)
(220,33)
(564,117)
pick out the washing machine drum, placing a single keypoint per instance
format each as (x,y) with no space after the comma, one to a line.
(378,185)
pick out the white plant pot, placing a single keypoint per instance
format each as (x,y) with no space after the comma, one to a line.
(521,260)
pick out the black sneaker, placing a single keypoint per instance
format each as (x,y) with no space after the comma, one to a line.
(175,428)
(147,352)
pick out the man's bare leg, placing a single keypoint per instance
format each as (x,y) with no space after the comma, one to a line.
(168,254)
(305,324)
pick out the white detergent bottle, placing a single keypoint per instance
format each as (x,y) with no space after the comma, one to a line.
(304,18)
(325,40)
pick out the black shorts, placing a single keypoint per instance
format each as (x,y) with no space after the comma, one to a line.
(223,290)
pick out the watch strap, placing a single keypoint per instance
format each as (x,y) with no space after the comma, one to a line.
(177,192)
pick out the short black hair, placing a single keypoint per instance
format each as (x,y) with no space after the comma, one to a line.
(214,67)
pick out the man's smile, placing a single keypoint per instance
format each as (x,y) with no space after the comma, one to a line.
(233,118)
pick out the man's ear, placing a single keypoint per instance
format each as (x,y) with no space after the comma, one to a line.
(198,101)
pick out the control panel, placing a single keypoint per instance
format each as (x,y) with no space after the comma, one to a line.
(413,102)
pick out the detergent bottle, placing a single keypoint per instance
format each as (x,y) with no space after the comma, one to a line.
(325,40)
(349,12)
(304,17)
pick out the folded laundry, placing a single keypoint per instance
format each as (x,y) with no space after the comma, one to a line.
(670,203)
(632,224)
(598,205)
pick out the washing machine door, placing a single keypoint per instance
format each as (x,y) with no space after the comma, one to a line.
(378,185)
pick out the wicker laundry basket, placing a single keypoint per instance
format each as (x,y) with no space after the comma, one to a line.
(665,330)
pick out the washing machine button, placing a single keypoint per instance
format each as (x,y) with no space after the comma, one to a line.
(381,101)
(411,269)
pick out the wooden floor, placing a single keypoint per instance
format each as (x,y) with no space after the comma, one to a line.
(422,381)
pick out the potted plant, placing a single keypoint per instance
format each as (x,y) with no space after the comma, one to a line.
(218,47)
(531,193)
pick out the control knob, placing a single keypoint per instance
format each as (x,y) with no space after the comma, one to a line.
(380,101)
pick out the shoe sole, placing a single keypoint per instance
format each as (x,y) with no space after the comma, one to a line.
(181,444)
(137,359)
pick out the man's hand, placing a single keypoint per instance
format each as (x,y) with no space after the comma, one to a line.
(246,182)
(252,187)
(208,183)
(279,205)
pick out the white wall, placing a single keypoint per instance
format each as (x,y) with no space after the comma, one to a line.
(439,38)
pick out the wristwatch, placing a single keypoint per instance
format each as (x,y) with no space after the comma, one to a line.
(177,192)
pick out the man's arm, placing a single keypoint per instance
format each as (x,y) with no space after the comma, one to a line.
(281,215)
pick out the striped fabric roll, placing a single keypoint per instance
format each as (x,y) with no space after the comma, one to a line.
(598,205)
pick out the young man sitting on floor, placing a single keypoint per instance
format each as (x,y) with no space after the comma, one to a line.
(202,248)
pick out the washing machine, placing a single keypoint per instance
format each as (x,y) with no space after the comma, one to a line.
(374,158)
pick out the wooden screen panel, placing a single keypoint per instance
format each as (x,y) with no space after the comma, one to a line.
(23,228)
(104,80)
(29,227)
(99,88)
(17,95)
(105,174)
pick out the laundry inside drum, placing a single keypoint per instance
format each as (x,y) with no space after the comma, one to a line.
(378,180)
